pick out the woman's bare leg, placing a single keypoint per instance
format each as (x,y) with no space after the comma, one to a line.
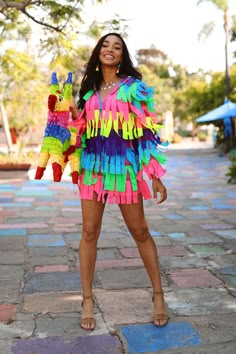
(134,218)
(92,214)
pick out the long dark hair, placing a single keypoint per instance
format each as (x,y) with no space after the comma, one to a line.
(92,78)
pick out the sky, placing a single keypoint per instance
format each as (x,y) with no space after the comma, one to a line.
(171,26)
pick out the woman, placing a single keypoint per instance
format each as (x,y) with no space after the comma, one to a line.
(116,113)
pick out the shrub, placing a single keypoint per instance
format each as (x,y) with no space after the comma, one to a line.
(232,168)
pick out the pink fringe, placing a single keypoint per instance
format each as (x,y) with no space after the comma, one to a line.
(113,197)
(154,168)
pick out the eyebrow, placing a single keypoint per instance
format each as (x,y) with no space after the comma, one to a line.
(106,41)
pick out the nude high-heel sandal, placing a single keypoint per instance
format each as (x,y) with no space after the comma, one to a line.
(160,316)
(88,320)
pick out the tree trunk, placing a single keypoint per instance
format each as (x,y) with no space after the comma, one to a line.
(6,126)
(227,76)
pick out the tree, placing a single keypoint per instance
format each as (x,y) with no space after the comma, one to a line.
(222,5)
(20,77)
(47,13)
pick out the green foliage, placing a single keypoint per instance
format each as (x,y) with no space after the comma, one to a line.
(232,168)
(162,87)
(22,89)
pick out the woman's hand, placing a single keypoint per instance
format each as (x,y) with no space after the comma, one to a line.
(73,109)
(158,187)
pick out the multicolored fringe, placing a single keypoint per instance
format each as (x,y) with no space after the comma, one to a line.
(122,143)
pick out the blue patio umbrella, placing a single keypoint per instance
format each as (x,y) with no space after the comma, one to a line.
(224,112)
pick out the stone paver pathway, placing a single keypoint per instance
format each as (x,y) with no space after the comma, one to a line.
(195,232)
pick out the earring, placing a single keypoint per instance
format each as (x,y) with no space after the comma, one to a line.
(97,68)
(118,69)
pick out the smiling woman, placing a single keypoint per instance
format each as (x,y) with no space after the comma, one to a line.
(116,115)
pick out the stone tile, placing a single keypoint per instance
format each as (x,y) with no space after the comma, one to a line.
(119,263)
(130,252)
(35,193)
(200,233)
(222,260)
(72,202)
(173,216)
(41,260)
(123,278)
(7,312)
(217,328)
(12,257)
(107,235)
(54,281)
(163,241)
(63,229)
(229,234)
(172,251)
(128,242)
(47,251)
(206,249)
(216,226)
(72,244)
(12,232)
(12,244)
(230,245)
(73,345)
(230,279)
(23,226)
(182,262)
(5,346)
(189,278)
(65,302)
(230,270)
(42,240)
(9,290)
(175,227)
(112,243)
(106,254)
(25,220)
(59,324)
(177,235)
(155,233)
(118,309)
(202,240)
(11,272)
(149,338)
(52,268)
(190,302)
(15,205)
(199,207)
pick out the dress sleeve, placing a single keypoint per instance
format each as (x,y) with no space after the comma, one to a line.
(150,147)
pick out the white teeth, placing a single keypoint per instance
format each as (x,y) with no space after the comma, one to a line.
(109,56)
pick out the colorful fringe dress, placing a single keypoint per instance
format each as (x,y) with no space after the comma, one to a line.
(122,143)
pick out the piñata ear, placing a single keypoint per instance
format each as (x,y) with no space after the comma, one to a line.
(54,80)
(67,90)
(69,78)
(54,86)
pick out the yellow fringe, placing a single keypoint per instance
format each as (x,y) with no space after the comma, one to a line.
(129,129)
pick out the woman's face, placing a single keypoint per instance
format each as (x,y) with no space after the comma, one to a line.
(111,51)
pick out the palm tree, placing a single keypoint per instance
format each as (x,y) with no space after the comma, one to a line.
(208,28)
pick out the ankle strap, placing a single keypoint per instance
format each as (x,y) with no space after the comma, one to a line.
(87,297)
(160,292)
